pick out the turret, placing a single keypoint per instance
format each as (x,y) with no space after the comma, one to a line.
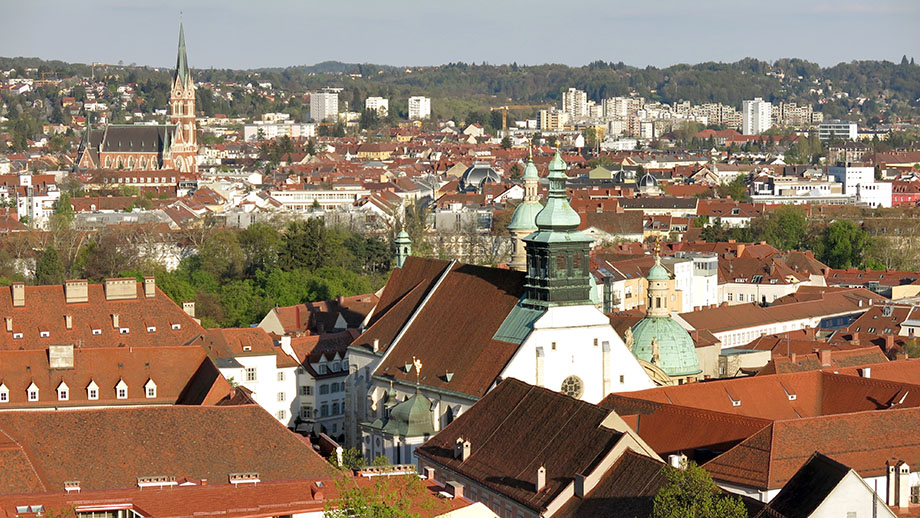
(524,220)
(403,247)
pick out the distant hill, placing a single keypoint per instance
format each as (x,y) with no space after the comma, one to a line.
(331,67)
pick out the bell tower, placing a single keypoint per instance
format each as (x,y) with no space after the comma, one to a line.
(558,273)
(184,143)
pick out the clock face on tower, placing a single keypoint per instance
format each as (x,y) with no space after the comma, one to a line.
(573,386)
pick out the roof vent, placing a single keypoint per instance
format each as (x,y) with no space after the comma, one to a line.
(243,478)
(72,486)
(120,289)
(76,291)
(158,481)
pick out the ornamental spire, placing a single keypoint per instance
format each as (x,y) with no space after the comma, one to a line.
(182,72)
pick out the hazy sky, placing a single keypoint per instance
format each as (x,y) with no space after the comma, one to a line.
(252,33)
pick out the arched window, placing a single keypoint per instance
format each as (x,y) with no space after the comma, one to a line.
(108,162)
(118,163)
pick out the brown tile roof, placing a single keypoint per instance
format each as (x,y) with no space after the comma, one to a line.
(786,396)
(862,440)
(515,429)
(453,331)
(817,360)
(172,369)
(403,292)
(669,429)
(45,309)
(119,445)
(250,341)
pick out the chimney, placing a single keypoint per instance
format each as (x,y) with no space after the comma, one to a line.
(340,299)
(429,473)
(9,324)
(903,485)
(76,291)
(825,358)
(739,249)
(867,372)
(376,345)
(150,287)
(461,449)
(68,322)
(465,454)
(455,489)
(115,320)
(60,356)
(19,294)
(792,357)
(889,342)
(120,289)
(189,308)
(541,478)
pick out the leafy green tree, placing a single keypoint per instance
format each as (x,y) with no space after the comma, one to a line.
(260,243)
(49,269)
(310,244)
(691,493)
(506,142)
(736,190)
(221,255)
(842,244)
(387,497)
(785,228)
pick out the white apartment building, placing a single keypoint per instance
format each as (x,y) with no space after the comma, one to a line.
(837,129)
(575,103)
(756,116)
(378,104)
(552,120)
(260,130)
(616,108)
(861,183)
(301,200)
(419,107)
(324,106)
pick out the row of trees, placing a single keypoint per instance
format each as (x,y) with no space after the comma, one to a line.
(840,244)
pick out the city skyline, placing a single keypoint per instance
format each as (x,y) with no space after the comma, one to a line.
(233,34)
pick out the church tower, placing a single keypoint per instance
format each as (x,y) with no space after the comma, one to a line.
(524,220)
(558,272)
(184,145)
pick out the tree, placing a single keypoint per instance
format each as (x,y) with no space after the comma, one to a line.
(785,228)
(49,269)
(691,493)
(506,142)
(221,255)
(842,245)
(260,243)
(736,190)
(387,497)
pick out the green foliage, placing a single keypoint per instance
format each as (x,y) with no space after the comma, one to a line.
(842,245)
(506,142)
(691,493)
(736,190)
(386,497)
(912,348)
(785,228)
(222,256)
(49,269)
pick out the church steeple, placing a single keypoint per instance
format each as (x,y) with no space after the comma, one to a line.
(558,273)
(524,220)
(182,73)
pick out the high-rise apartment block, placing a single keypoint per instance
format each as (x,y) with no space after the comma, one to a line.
(756,116)
(324,106)
(419,107)
(575,103)
(377,104)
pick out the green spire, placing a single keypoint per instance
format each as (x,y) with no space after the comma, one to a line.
(530,171)
(557,214)
(182,61)
(403,247)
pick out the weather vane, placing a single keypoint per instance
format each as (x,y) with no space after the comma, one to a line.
(418,367)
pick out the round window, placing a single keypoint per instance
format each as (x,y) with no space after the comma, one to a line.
(573,386)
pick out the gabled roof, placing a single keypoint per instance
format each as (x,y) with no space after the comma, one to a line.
(250,341)
(862,440)
(198,442)
(809,487)
(453,332)
(515,429)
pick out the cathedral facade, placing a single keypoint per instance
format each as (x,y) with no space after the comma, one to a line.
(172,146)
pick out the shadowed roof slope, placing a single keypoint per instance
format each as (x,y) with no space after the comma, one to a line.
(111,448)
(627,490)
(515,429)
(863,440)
(454,331)
(809,487)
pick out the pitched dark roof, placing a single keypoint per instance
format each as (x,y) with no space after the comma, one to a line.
(515,429)
(809,487)
(627,490)
(132,139)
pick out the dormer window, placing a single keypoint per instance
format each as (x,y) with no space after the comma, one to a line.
(124,330)
(151,329)
(121,390)
(176,327)
(4,393)
(97,332)
(150,389)
(63,392)
(44,334)
(17,336)
(32,392)
(92,391)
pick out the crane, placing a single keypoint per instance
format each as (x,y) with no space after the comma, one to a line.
(504,110)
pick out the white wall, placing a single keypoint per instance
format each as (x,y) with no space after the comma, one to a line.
(267,385)
(852,495)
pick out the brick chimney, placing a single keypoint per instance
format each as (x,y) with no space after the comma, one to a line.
(455,489)
(889,342)
(825,358)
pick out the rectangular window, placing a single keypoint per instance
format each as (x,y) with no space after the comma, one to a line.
(124,330)
(122,393)
(4,397)
(62,395)
(303,391)
(93,394)
(44,334)
(281,376)
(151,392)
(282,415)
(250,373)
(622,378)
(280,397)
(33,395)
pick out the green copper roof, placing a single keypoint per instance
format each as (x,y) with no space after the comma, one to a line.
(658,273)
(411,418)
(182,61)
(557,215)
(675,347)
(517,325)
(402,237)
(530,171)
(525,216)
